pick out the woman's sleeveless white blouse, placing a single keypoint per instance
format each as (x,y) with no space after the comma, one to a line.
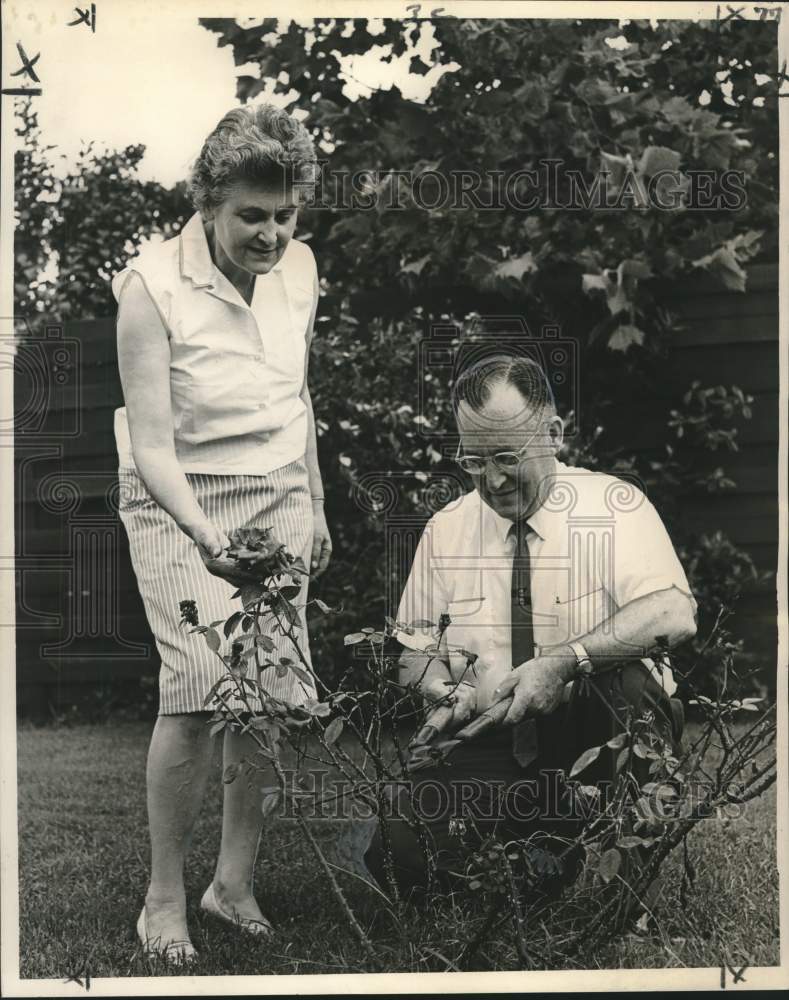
(236,371)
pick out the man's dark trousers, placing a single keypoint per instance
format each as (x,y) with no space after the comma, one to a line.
(483,786)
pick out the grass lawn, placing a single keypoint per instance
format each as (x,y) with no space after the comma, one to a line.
(83,852)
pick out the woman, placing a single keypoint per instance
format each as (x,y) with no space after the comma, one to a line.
(214,330)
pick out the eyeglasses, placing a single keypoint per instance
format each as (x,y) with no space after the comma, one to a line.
(504,461)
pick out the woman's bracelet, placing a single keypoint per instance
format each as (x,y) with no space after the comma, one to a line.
(318,499)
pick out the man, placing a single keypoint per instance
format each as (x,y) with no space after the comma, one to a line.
(548,574)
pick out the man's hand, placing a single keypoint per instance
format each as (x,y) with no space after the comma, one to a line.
(455,702)
(537,685)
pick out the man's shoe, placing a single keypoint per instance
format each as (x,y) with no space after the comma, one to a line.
(210,904)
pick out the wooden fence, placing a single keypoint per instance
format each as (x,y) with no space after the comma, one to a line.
(80,621)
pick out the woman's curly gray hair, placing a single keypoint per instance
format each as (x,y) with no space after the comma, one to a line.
(253,143)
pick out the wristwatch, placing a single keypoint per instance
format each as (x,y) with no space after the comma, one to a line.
(584,665)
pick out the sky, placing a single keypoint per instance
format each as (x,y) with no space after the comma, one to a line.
(149,74)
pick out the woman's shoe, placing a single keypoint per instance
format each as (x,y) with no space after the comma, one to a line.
(209,903)
(175,953)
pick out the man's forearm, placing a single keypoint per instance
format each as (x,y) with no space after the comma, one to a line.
(633,630)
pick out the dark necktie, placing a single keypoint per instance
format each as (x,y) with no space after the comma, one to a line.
(524,734)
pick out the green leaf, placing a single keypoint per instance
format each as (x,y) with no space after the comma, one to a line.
(212,640)
(281,670)
(301,673)
(586,758)
(624,336)
(322,606)
(232,622)
(723,265)
(618,741)
(621,760)
(655,159)
(230,773)
(265,643)
(610,863)
(626,843)
(214,688)
(270,801)
(415,266)
(516,267)
(333,730)
(354,638)
(251,593)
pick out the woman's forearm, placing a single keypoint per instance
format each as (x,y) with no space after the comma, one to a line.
(311,454)
(170,488)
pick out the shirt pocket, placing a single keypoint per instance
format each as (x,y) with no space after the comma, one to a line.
(209,411)
(470,627)
(578,613)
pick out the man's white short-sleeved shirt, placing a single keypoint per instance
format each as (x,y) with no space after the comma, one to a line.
(596,544)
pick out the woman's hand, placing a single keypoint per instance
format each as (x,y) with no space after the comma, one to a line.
(321,541)
(212,543)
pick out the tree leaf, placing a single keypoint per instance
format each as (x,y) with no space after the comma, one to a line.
(626,843)
(415,266)
(270,801)
(301,673)
(212,640)
(723,265)
(230,773)
(354,638)
(624,336)
(333,730)
(265,643)
(618,741)
(585,760)
(516,267)
(232,622)
(217,728)
(610,863)
(251,593)
(655,159)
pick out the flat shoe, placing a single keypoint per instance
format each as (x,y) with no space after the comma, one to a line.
(175,953)
(209,903)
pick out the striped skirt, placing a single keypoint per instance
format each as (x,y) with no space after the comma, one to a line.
(169,569)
